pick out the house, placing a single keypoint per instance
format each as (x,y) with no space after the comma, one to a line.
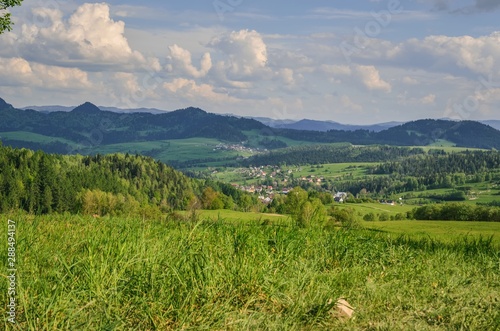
(340,197)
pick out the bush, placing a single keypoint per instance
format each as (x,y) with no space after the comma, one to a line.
(370,217)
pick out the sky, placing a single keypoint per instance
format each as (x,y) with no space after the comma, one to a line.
(355,62)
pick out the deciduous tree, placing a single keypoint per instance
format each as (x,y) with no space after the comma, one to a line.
(5,17)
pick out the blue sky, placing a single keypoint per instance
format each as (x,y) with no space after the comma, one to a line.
(353,62)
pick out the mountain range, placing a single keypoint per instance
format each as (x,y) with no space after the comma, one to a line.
(303,124)
(61,131)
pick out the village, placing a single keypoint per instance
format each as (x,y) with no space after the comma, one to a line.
(269,181)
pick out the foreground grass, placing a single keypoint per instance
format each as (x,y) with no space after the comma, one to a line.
(77,273)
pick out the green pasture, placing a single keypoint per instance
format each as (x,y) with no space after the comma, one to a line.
(33,137)
(82,273)
(335,170)
(362,209)
(174,150)
(442,231)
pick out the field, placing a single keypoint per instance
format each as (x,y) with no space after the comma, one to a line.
(33,137)
(175,150)
(81,273)
(442,231)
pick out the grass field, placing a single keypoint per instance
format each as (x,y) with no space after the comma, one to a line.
(376,208)
(79,273)
(33,137)
(442,231)
(174,150)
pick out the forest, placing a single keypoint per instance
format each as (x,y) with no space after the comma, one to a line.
(118,184)
(331,153)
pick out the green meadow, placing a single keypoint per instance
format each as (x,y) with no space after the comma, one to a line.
(442,231)
(33,137)
(227,272)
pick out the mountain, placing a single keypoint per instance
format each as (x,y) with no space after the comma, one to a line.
(304,124)
(425,132)
(55,108)
(493,123)
(88,119)
(313,125)
(88,126)
(4,105)
(273,123)
(87,108)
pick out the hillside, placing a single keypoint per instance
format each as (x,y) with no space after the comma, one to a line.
(426,132)
(120,184)
(313,125)
(87,120)
(87,129)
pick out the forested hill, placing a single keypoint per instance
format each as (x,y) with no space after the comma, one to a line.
(336,153)
(424,132)
(42,183)
(417,133)
(89,123)
(87,119)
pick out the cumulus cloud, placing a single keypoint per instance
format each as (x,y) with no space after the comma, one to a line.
(456,55)
(405,99)
(428,99)
(347,103)
(477,55)
(190,90)
(88,38)
(246,54)
(181,60)
(370,78)
(287,76)
(409,80)
(19,72)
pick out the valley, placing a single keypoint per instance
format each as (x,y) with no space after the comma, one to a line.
(222,223)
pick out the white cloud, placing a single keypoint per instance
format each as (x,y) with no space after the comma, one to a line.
(479,55)
(89,38)
(19,72)
(246,54)
(409,80)
(336,70)
(404,99)
(370,78)
(287,76)
(347,103)
(188,89)
(428,99)
(181,59)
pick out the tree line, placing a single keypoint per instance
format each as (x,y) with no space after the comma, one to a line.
(333,153)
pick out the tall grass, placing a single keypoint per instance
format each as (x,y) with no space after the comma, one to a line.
(78,273)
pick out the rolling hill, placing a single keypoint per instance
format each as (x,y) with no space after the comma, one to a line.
(87,129)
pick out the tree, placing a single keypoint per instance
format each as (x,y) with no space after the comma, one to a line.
(5,21)
(295,199)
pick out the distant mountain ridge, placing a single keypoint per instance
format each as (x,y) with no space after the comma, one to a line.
(55,108)
(89,122)
(303,124)
(313,125)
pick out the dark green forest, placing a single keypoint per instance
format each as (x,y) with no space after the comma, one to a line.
(43,183)
(437,169)
(336,153)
